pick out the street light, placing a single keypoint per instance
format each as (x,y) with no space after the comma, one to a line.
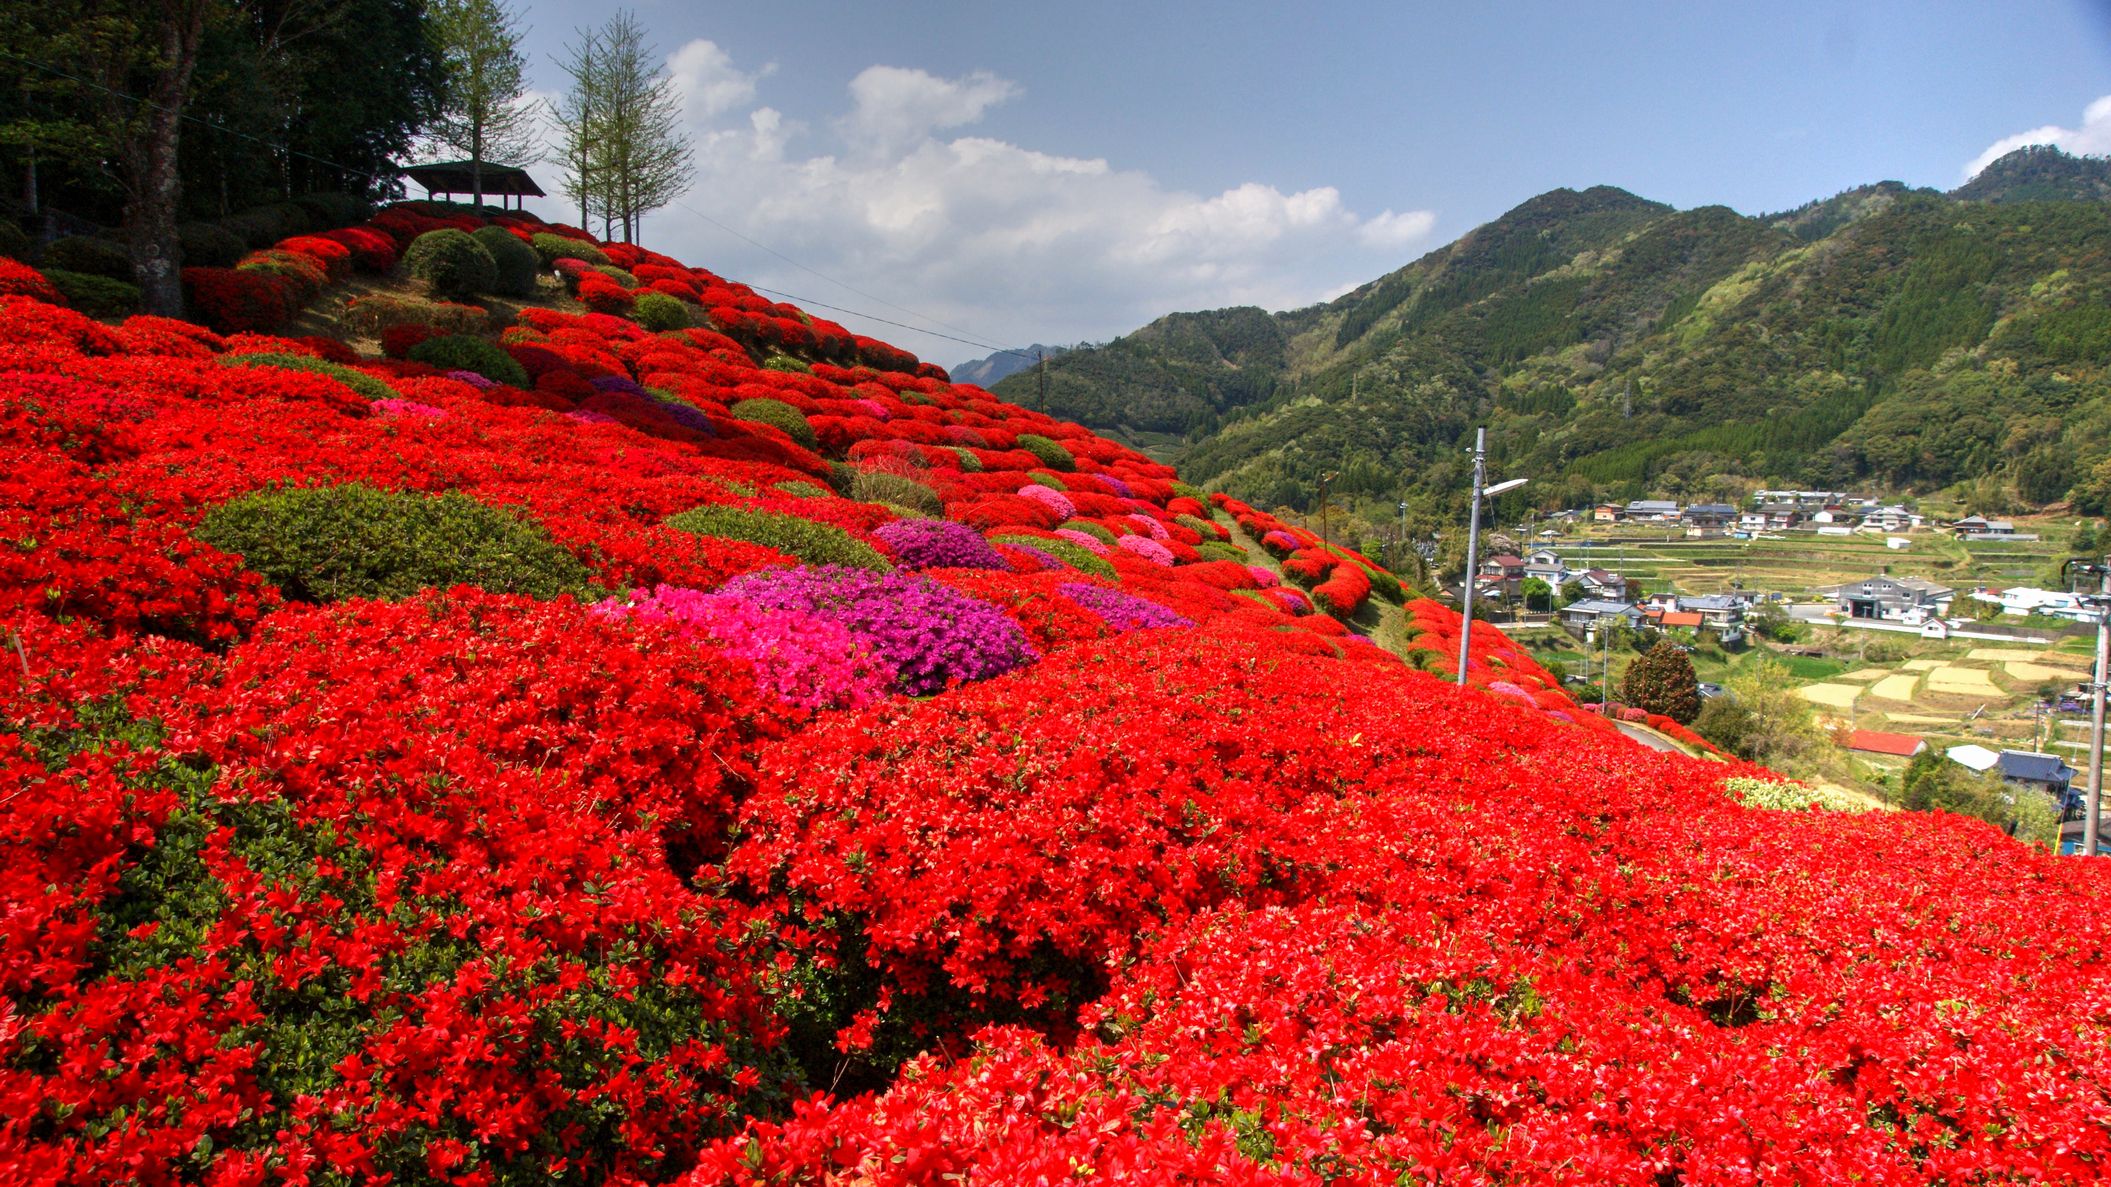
(1473,537)
(2102,606)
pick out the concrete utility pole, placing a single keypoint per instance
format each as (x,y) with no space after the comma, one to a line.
(2096,716)
(1473,538)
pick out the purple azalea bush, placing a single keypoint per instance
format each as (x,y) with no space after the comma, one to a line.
(1085,540)
(938,544)
(1119,610)
(806,662)
(933,636)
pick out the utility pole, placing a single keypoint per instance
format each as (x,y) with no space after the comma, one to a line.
(1041,373)
(1324,479)
(1473,540)
(2096,716)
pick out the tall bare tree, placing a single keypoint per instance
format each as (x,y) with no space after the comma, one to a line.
(482,115)
(620,129)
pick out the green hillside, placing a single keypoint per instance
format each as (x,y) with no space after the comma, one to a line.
(1615,346)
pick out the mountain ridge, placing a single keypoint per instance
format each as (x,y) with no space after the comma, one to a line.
(1887,335)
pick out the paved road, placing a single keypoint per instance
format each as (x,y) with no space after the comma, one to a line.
(1649,738)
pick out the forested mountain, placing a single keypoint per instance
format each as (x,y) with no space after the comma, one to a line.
(1616,346)
(987,370)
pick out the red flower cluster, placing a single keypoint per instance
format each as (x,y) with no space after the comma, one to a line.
(474,889)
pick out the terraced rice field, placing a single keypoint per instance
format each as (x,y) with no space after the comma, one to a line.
(1800,562)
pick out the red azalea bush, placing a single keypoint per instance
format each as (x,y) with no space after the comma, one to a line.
(473,889)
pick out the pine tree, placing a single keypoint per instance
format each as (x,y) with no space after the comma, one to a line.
(482,115)
(1662,681)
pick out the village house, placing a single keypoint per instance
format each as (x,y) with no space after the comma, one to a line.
(1717,611)
(1897,599)
(1598,583)
(1546,565)
(1877,742)
(1607,513)
(1504,573)
(1581,616)
(1652,511)
(1710,515)
(1893,519)
(2037,771)
(1979,528)
(1781,516)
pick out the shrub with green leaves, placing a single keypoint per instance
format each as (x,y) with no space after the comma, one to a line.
(1385,585)
(1097,531)
(803,490)
(366,385)
(1783,796)
(811,542)
(517,265)
(96,296)
(452,262)
(1191,491)
(15,243)
(1051,453)
(897,490)
(1077,556)
(209,245)
(659,312)
(778,413)
(1048,480)
(785,362)
(1218,550)
(552,247)
(969,463)
(91,255)
(460,352)
(328,543)
(617,274)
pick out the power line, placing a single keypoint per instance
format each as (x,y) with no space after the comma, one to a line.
(883,321)
(281,146)
(825,276)
(201,121)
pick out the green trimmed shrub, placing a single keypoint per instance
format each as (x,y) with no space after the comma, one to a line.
(1051,453)
(208,245)
(516,264)
(460,352)
(1099,532)
(803,490)
(785,362)
(1190,490)
(452,262)
(814,543)
(969,463)
(1218,550)
(897,490)
(1077,556)
(1048,480)
(368,387)
(91,255)
(328,543)
(782,415)
(1201,527)
(1385,585)
(96,296)
(551,247)
(659,312)
(618,275)
(15,243)
(372,315)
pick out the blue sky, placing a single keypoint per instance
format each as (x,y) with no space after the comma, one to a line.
(1064,172)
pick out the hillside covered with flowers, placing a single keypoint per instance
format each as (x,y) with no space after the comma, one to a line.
(645,733)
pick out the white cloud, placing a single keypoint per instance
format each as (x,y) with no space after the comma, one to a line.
(2093,138)
(893,196)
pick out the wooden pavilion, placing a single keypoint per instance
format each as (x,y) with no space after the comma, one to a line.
(449,178)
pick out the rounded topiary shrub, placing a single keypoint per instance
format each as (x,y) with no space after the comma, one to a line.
(880,486)
(96,296)
(659,312)
(207,245)
(327,543)
(1076,556)
(785,362)
(91,255)
(1052,454)
(452,262)
(15,243)
(1218,550)
(552,247)
(366,385)
(814,543)
(777,413)
(460,352)
(516,263)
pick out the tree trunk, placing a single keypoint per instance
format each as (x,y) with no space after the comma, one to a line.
(476,163)
(156,186)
